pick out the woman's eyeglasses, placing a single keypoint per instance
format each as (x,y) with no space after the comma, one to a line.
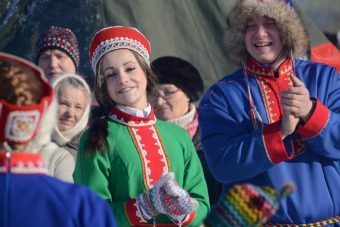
(163,94)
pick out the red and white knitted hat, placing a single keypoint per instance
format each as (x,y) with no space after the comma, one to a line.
(19,123)
(58,38)
(118,37)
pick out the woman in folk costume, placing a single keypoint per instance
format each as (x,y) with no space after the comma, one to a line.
(179,85)
(277,118)
(146,169)
(28,197)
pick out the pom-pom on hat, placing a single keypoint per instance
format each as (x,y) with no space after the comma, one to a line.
(293,33)
(182,74)
(247,205)
(118,37)
(58,38)
(19,123)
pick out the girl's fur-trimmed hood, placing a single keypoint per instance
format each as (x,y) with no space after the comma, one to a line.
(293,33)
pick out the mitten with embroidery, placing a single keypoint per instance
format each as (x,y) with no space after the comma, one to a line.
(178,202)
(150,202)
(166,197)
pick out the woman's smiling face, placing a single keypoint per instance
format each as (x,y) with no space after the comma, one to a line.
(72,103)
(126,81)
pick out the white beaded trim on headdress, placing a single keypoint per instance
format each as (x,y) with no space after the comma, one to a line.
(119,43)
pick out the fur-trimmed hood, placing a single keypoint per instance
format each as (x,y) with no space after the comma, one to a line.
(293,33)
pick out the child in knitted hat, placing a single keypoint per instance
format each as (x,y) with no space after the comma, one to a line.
(57,52)
(28,197)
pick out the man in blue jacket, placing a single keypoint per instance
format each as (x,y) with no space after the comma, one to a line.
(277,118)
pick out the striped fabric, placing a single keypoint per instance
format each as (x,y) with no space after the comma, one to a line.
(244,205)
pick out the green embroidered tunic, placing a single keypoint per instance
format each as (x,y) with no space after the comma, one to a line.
(141,149)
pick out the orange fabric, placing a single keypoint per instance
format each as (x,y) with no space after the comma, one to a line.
(326,53)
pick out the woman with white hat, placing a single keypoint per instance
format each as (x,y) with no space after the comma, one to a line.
(74,99)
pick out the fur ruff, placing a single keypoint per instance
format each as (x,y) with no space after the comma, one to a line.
(293,33)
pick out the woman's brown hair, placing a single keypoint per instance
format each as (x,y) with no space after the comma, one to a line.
(97,137)
(19,86)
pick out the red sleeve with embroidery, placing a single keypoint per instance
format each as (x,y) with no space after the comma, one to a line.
(273,143)
(190,219)
(132,211)
(316,122)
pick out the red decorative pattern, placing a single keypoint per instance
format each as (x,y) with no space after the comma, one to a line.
(133,212)
(316,123)
(273,143)
(19,123)
(130,120)
(149,145)
(326,222)
(23,163)
(118,37)
(189,218)
(136,219)
(270,86)
(170,206)
(58,38)
(299,146)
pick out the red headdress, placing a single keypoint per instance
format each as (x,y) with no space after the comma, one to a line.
(18,124)
(118,37)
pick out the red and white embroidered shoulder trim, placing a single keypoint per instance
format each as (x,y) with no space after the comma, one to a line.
(132,123)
